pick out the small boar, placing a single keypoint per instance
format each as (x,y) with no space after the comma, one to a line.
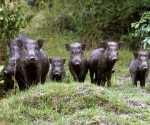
(78,64)
(139,67)
(57,70)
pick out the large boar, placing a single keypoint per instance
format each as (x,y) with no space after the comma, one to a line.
(10,68)
(14,52)
(33,64)
(78,64)
(27,62)
(14,55)
(106,63)
(139,67)
(57,71)
(93,62)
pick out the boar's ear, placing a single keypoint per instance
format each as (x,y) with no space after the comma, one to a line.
(135,53)
(83,46)
(40,43)
(50,60)
(67,46)
(64,60)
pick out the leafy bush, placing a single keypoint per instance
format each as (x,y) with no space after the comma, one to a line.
(12,19)
(142,30)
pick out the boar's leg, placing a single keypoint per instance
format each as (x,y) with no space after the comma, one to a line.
(134,81)
(44,73)
(21,77)
(84,74)
(38,77)
(43,79)
(103,82)
(82,77)
(95,78)
(142,83)
(109,74)
(8,83)
(92,76)
(103,79)
(75,77)
(22,81)
(98,78)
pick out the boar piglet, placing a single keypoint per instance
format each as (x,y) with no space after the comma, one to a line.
(57,70)
(139,67)
(78,64)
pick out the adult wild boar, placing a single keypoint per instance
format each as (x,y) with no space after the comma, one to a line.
(106,61)
(57,70)
(139,67)
(33,65)
(10,68)
(14,55)
(78,64)
(93,62)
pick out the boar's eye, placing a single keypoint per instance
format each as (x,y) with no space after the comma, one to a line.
(72,52)
(75,51)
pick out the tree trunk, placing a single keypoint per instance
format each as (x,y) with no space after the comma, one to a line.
(2,53)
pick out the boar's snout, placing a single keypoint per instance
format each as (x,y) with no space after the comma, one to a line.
(8,71)
(32,58)
(113,55)
(76,61)
(144,66)
(114,58)
(57,71)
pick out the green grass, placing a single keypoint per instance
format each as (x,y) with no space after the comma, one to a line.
(1,67)
(77,103)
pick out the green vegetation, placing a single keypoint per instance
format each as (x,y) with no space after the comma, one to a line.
(12,19)
(142,30)
(70,103)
